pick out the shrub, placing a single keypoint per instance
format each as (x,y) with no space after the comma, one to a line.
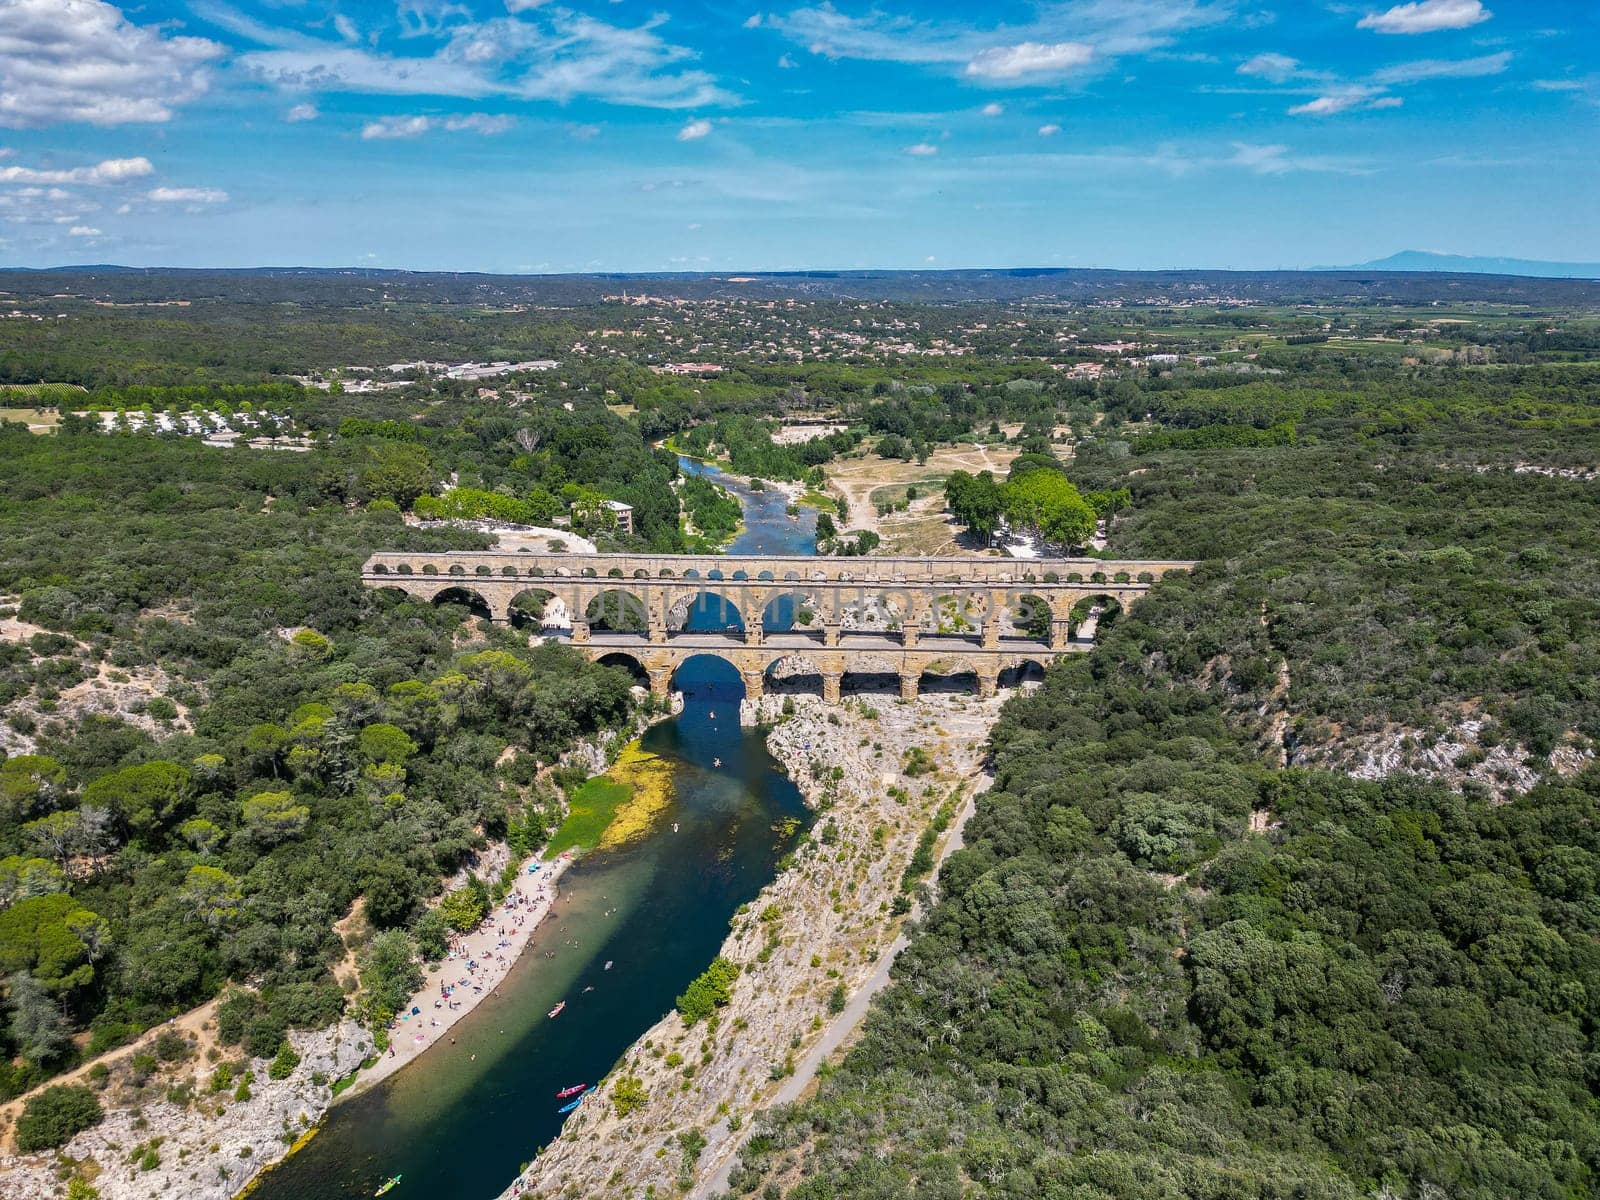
(51,1118)
(709,991)
(284,1063)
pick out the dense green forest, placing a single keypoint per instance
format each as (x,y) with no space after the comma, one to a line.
(1186,950)
(304,741)
(1167,964)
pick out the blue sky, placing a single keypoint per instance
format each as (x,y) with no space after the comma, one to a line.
(542,135)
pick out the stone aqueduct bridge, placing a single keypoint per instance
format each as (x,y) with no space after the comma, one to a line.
(987,616)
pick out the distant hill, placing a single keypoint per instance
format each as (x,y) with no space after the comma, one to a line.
(322,287)
(1467,264)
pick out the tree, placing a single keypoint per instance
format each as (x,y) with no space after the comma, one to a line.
(21,877)
(145,798)
(273,817)
(975,501)
(38,1026)
(50,1118)
(212,894)
(628,1094)
(383,743)
(30,784)
(710,990)
(1046,501)
(51,936)
(390,974)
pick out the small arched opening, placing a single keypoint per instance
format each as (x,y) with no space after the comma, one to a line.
(540,610)
(1026,616)
(704,612)
(464,598)
(792,612)
(616,611)
(627,662)
(1093,615)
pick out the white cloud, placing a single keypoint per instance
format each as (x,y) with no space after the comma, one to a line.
(1100,30)
(1558,85)
(922,150)
(302,112)
(81,60)
(111,170)
(1426,16)
(1274,67)
(1279,160)
(555,54)
(992,109)
(1444,68)
(428,18)
(346,28)
(785,63)
(1049,130)
(753,21)
(1028,58)
(187,195)
(403,126)
(1334,103)
(84,231)
(694,130)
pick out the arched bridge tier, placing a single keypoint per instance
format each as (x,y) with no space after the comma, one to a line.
(987,614)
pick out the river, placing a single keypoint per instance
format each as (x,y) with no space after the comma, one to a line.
(459,1124)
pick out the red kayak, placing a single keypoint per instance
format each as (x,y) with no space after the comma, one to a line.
(571,1091)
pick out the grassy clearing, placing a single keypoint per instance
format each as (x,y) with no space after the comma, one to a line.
(589,811)
(39,420)
(616,807)
(896,493)
(818,501)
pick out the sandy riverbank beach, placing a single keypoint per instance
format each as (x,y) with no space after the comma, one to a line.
(475,966)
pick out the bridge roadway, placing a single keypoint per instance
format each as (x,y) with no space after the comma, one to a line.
(944,614)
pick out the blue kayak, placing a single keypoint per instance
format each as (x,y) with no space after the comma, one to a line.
(566,1108)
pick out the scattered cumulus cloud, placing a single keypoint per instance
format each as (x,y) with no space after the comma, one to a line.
(1426,16)
(1049,130)
(108,171)
(992,109)
(84,231)
(1334,103)
(398,127)
(693,131)
(187,195)
(922,150)
(1444,68)
(547,54)
(82,61)
(1030,51)
(1276,68)
(1028,59)
(302,112)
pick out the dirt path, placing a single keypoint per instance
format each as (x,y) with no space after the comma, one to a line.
(847,1022)
(197,1021)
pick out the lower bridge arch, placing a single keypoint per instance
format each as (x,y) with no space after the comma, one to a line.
(871,674)
(630,663)
(793,675)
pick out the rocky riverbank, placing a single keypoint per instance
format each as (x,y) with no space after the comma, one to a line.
(201,1128)
(877,772)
